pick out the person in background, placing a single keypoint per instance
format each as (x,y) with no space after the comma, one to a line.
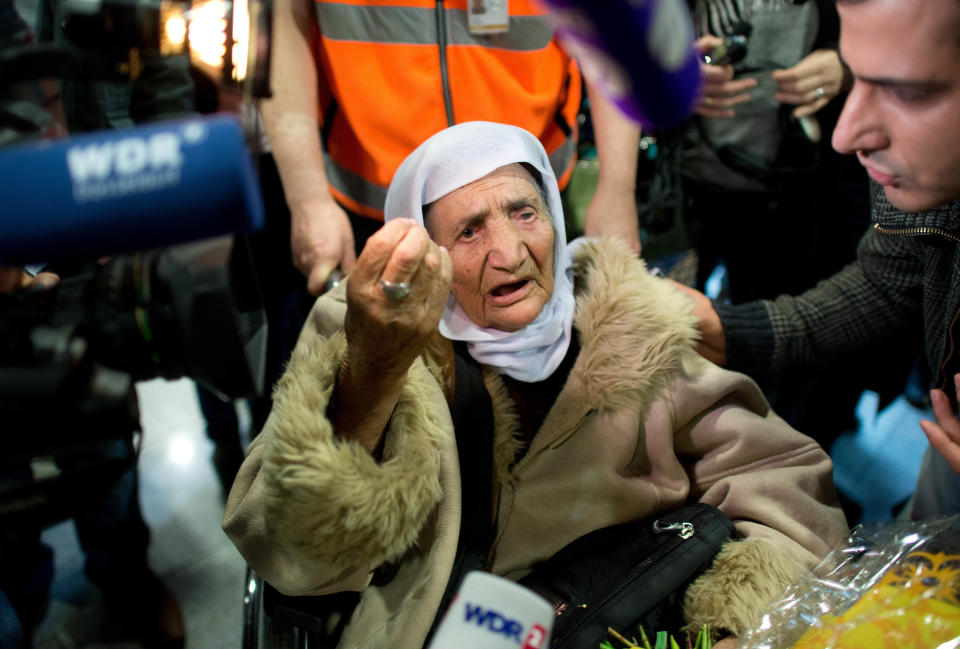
(381,78)
(165,89)
(901,120)
(757,158)
(109,524)
(769,201)
(590,408)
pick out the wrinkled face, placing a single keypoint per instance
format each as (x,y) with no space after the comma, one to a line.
(902,117)
(500,240)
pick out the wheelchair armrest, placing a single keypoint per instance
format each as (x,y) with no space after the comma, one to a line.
(323,614)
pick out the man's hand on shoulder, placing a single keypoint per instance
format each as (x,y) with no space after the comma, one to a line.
(713,342)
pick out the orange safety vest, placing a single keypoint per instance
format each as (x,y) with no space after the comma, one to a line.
(394,72)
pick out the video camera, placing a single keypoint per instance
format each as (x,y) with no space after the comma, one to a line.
(140,224)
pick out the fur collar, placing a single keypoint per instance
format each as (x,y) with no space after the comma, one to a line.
(635,332)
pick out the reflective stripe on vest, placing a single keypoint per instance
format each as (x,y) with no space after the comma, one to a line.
(349,185)
(417,26)
(561,159)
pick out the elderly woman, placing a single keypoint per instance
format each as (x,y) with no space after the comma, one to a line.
(600,410)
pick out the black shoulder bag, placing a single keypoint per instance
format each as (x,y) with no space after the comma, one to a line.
(629,575)
(620,577)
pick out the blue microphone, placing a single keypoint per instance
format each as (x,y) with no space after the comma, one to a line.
(112,192)
(641,54)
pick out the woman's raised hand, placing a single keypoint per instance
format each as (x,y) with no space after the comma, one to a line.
(386,334)
(385,331)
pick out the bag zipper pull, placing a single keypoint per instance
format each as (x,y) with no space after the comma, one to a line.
(683,530)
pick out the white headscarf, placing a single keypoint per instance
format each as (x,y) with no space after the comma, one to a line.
(455,157)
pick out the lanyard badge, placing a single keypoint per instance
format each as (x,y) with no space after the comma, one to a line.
(487,16)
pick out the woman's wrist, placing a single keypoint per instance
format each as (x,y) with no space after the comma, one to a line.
(362,403)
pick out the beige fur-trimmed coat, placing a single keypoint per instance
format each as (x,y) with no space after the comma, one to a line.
(642,426)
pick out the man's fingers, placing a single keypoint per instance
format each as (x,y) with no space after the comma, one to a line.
(45,279)
(720,98)
(946,418)
(805,68)
(727,87)
(784,77)
(802,83)
(790,76)
(729,102)
(809,109)
(317,279)
(944,434)
(805,93)
(315,282)
(939,440)
(706,43)
(794,88)
(714,112)
(810,101)
(716,74)
(720,106)
(738,86)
